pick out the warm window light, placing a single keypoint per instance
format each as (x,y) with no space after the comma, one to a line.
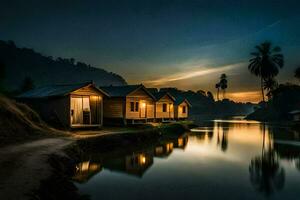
(180,142)
(143,105)
(84,166)
(143,159)
(159,150)
(169,147)
(94,98)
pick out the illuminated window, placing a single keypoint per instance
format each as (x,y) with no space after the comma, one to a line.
(164,107)
(183,109)
(86,104)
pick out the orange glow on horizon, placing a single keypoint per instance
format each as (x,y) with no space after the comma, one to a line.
(251,96)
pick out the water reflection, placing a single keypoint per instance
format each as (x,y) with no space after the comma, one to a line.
(287,145)
(266,174)
(232,158)
(134,163)
(164,150)
(85,170)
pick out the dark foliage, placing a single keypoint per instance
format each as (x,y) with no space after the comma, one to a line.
(285,99)
(204,104)
(270,84)
(27,85)
(44,70)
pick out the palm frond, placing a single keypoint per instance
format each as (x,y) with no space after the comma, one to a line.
(255,54)
(276,49)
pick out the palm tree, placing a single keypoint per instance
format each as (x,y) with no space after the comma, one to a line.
(223,84)
(270,84)
(297,73)
(218,90)
(266,62)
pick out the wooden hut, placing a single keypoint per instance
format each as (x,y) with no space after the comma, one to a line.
(72,106)
(128,104)
(164,106)
(181,108)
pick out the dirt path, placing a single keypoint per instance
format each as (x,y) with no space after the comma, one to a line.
(23,166)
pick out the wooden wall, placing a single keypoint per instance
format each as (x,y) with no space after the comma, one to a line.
(55,111)
(113,108)
(61,108)
(142,97)
(159,114)
(87,91)
(178,110)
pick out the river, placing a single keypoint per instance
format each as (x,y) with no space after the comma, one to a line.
(220,159)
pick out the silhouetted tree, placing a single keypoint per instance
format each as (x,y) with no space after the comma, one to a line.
(81,64)
(297,73)
(270,84)
(201,92)
(27,85)
(210,95)
(218,90)
(223,84)
(72,61)
(266,62)
(11,43)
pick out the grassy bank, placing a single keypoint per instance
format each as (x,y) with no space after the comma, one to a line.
(19,123)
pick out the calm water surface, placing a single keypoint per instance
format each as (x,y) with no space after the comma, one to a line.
(220,159)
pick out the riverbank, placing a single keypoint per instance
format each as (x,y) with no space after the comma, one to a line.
(23,166)
(35,168)
(89,150)
(132,141)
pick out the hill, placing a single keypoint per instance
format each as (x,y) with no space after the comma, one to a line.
(44,70)
(203,104)
(18,122)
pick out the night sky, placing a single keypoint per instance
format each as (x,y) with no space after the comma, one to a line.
(183,44)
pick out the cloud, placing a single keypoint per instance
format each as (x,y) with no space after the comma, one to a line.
(193,73)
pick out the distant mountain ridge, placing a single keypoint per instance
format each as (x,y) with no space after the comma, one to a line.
(44,70)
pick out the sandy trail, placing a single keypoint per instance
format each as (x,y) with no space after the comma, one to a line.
(23,166)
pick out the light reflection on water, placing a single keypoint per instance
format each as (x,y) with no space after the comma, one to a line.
(221,159)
